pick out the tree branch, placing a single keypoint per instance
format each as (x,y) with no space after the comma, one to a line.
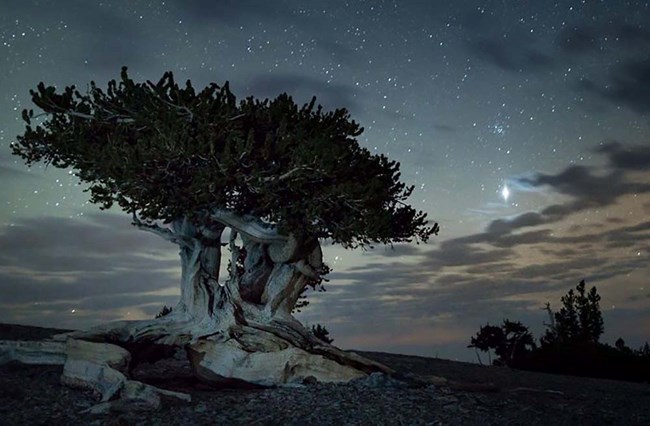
(306,269)
(285,175)
(182,110)
(234,257)
(166,233)
(252,227)
(79,114)
(116,117)
(236,117)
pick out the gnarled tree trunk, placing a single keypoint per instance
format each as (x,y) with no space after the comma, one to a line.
(238,330)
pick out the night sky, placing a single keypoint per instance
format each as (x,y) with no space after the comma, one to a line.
(524,126)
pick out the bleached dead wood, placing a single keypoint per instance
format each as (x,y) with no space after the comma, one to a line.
(99,367)
(32,352)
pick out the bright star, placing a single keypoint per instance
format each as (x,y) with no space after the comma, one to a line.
(505,193)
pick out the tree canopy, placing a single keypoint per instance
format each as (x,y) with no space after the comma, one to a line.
(167,152)
(579,319)
(510,341)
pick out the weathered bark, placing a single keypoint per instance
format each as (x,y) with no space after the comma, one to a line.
(238,330)
(98,367)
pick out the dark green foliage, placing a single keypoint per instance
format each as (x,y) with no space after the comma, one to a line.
(510,342)
(301,303)
(591,319)
(620,345)
(590,360)
(579,321)
(570,344)
(489,337)
(164,311)
(644,351)
(317,286)
(167,152)
(518,342)
(566,320)
(322,333)
(239,264)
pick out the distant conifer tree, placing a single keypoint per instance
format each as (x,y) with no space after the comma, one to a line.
(166,310)
(579,320)
(510,342)
(322,333)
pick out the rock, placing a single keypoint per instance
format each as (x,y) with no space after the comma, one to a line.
(32,352)
(378,380)
(148,352)
(434,380)
(447,399)
(112,355)
(219,362)
(101,408)
(309,380)
(179,355)
(99,367)
(137,396)
(164,392)
(100,378)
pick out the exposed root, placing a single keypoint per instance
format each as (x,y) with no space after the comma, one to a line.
(248,353)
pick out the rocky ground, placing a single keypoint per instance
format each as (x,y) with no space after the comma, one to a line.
(460,393)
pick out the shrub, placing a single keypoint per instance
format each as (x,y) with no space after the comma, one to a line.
(322,333)
(511,342)
(166,310)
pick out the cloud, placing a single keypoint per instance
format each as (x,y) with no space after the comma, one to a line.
(637,297)
(511,268)
(301,87)
(397,250)
(49,266)
(7,172)
(74,288)
(101,245)
(230,12)
(589,190)
(633,158)
(102,266)
(337,50)
(117,38)
(629,85)
(634,36)
(467,281)
(595,38)
(581,183)
(578,40)
(516,54)
(445,128)
(503,227)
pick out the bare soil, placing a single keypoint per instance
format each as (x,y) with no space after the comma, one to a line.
(472,395)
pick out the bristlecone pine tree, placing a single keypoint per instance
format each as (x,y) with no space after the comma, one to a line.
(194,168)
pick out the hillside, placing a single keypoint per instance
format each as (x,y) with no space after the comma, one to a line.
(468,394)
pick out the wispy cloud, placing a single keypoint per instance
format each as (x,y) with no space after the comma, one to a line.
(50,266)
(103,268)
(512,267)
(330,95)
